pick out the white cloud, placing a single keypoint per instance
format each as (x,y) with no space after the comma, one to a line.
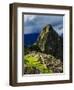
(35,23)
(58,29)
(29,17)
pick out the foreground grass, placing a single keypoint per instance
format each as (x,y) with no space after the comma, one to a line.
(33,62)
(36,62)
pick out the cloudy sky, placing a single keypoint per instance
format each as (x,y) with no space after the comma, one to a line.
(35,23)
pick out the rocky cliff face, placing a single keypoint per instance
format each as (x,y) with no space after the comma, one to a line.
(50,42)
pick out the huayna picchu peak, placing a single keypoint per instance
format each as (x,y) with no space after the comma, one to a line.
(50,42)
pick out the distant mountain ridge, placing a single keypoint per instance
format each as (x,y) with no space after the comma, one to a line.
(30,39)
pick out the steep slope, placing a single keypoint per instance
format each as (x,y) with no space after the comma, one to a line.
(50,42)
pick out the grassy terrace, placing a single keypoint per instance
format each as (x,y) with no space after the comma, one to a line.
(37,62)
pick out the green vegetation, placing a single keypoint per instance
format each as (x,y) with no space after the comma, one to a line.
(38,62)
(32,62)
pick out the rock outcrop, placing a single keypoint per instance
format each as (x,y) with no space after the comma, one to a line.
(50,42)
(37,62)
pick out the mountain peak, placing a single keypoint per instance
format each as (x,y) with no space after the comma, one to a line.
(50,42)
(49,25)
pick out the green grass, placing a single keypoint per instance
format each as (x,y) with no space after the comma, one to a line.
(33,61)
